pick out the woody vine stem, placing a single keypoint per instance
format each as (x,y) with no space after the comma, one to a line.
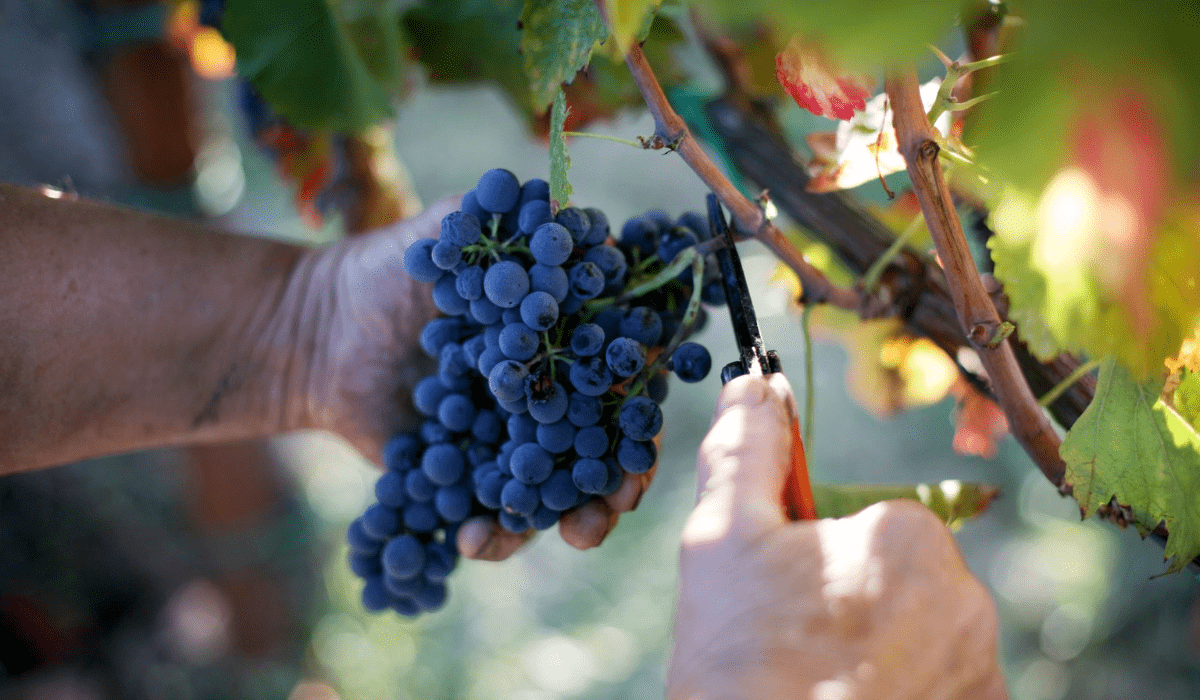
(981,322)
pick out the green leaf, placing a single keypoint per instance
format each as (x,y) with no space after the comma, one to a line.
(1187,398)
(629,20)
(297,54)
(560,161)
(1060,303)
(467,41)
(557,39)
(374,28)
(1130,445)
(953,501)
(860,33)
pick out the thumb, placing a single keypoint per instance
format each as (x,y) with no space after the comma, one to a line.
(743,461)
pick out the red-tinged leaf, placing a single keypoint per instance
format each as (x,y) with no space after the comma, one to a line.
(1119,145)
(816,84)
(979,424)
(303,158)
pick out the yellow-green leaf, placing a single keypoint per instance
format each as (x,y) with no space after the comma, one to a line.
(557,38)
(1130,445)
(560,161)
(629,20)
(953,501)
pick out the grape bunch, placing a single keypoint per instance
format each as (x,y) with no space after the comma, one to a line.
(553,352)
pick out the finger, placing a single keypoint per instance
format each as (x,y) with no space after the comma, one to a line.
(744,460)
(483,538)
(587,526)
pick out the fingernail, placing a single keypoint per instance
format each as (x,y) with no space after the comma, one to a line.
(746,392)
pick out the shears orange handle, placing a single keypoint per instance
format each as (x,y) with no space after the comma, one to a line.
(754,358)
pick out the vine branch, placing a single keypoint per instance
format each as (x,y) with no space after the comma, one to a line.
(980,321)
(748,217)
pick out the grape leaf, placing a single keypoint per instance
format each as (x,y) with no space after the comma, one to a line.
(817,84)
(1187,398)
(629,20)
(860,33)
(557,39)
(560,161)
(1060,302)
(1130,445)
(300,58)
(953,501)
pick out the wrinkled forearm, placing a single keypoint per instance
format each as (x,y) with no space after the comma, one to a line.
(121,330)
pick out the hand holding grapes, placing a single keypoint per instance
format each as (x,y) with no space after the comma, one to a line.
(875,605)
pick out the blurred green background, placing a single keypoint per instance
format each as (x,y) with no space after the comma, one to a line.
(1082,614)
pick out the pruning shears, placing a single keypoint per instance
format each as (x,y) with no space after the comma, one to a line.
(754,358)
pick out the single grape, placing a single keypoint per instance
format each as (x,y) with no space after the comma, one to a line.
(544,518)
(531,463)
(404,588)
(403,557)
(488,361)
(519,342)
(443,464)
(535,188)
(507,380)
(576,222)
(519,498)
(584,410)
(456,412)
(498,190)
(587,281)
(389,490)
(484,311)
(550,405)
(437,333)
(380,522)
(418,486)
(534,214)
(428,395)
(505,283)
(374,596)
(691,362)
(491,335)
(470,204)
(522,429)
(539,310)
(460,228)
(636,457)
(641,233)
(657,387)
(446,255)
(432,596)
(591,441)
(642,324)
(598,232)
(551,244)
(512,522)
(365,565)
(640,418)
(472,348)
(625,357)
(590,376)
(589,475)
(551,279)
(488,490)
(557,437)
(673,240)
(453,503)
(469,282)
(713,293)
(559,491)
(420,517)
(610,260)
(512,315)
(418,262)
(615,477)
(661,220)
(446,297)
(487,426)
(359,541)
(587,339)
(440,560)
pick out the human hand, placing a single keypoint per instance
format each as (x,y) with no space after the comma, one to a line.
(365,315)
(876,605)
